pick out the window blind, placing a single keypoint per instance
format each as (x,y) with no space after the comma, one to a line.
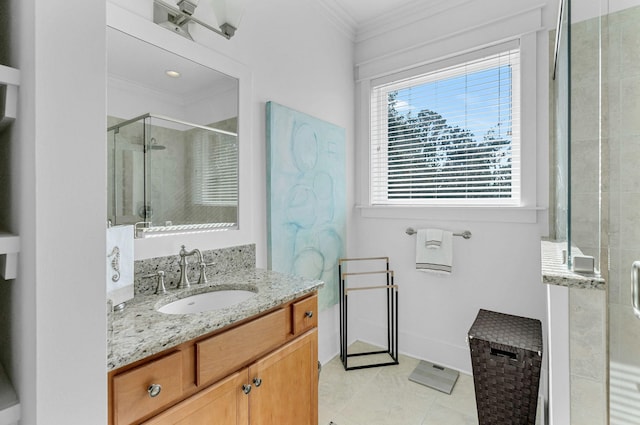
(216,182)
(448,136)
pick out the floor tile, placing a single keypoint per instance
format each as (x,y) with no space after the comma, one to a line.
(385,396)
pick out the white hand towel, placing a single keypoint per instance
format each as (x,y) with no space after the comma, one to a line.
(433,238)
(120,264)
(437,260)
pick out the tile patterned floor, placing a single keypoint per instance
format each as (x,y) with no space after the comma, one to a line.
(385,396)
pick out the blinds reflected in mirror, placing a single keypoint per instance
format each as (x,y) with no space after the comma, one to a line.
(215,181)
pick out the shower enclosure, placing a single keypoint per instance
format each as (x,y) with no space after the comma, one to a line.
(621,116)
(166,174)
(601,129)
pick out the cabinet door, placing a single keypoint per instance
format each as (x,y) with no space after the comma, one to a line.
(285,384)
(222,404)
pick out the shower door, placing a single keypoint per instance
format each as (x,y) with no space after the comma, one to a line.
(621,59)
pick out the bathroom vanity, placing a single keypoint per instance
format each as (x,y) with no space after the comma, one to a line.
(252,363)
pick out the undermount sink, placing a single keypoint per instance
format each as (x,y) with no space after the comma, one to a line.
(207,301)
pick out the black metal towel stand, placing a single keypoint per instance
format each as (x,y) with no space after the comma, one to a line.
(391,290)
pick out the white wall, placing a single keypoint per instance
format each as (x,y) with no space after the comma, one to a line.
(56,354)
(499,267)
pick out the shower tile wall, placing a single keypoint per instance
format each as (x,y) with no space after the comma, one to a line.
(587,347)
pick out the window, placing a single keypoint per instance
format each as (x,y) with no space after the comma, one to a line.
(448,134)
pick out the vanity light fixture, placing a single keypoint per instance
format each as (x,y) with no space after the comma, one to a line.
(173,74)
(177,19)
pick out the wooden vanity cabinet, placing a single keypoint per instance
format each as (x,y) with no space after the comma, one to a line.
(223,403)
(288,384)
(263,371)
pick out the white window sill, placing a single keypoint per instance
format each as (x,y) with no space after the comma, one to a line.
(497,214)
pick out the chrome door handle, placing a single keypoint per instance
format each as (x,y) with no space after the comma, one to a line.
(635,288)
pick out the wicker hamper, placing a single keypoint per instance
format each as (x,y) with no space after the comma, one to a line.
(506,356)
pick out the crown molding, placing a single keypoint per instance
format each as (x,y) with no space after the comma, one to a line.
(339,17)
(409,13)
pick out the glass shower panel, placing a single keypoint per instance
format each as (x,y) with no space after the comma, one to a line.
(125,183)
(561,129)
(166,174)
(111,184)
(586,133)
(622,58)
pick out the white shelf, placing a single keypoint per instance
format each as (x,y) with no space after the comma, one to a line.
(9,403)
(9,249)
(9,244)
(9,77)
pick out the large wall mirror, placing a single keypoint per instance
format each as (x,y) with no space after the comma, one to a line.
(172,138)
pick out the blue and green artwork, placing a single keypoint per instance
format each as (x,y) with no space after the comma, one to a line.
(306,200)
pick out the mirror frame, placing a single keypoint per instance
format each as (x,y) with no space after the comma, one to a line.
(169,244)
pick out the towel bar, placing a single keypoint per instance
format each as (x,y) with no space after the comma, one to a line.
(389,272)
(365,288)
(466,234)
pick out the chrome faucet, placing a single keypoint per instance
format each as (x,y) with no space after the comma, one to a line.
(184,280)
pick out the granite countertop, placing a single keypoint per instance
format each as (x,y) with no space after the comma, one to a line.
(555,272)
(140,331)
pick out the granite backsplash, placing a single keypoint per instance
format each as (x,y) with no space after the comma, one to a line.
(219,261)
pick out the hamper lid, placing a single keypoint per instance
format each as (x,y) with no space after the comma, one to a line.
(506,329)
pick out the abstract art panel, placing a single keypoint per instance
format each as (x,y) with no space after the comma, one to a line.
(306,199)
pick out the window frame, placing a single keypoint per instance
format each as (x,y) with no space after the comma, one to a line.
(526,211)
(477,61)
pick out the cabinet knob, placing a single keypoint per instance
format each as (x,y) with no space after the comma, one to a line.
(257,381)
(309,314)
(154,390)
(246,388)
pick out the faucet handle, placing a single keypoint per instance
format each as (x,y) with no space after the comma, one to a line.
(160,289)
(203,274)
